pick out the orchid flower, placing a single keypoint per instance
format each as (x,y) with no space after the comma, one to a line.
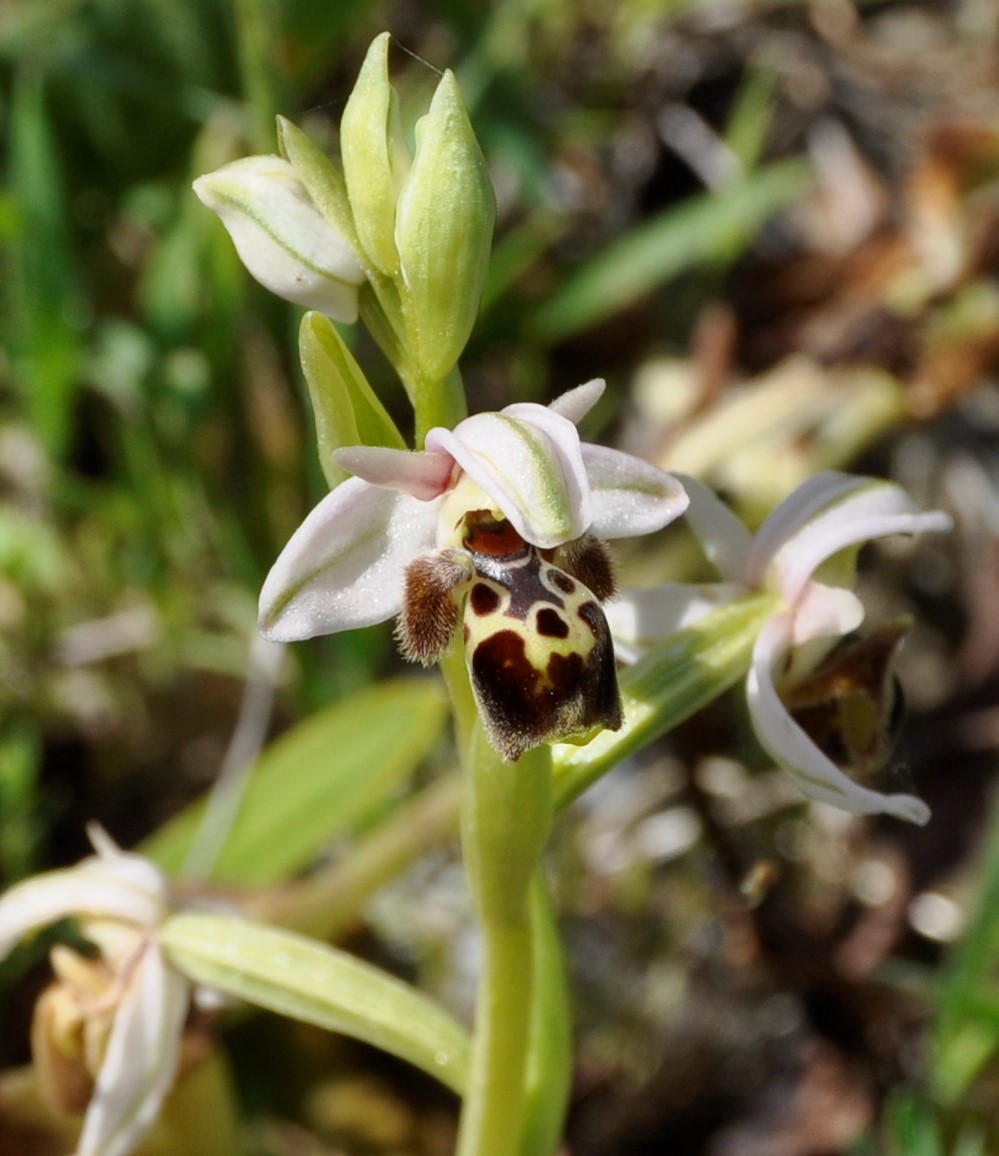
(828,514)
(501,500)
(107,1033)
(281,236)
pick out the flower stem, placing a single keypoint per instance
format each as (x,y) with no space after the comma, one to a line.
(438,403)
(493,1114)
(506,814)
(256,22)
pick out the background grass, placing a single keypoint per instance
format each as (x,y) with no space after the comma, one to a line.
(772,227)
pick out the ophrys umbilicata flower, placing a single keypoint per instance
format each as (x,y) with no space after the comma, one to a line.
(497,526)
(822,518)
(107,1033)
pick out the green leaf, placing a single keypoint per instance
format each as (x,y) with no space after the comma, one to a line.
(326,776)
(705,229)
(315,983)
(913,1128)
(347,410)
(752,113)
(966,1034)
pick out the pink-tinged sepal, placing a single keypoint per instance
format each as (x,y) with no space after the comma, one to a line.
(421,475)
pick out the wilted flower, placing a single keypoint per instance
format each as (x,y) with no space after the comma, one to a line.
(825,516)
(497,525)
(107,1034)
(281,236)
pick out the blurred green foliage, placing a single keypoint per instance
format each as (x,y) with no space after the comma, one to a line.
(156,449)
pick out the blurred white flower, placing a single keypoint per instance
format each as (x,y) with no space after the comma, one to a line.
(825,516)
(106,1035)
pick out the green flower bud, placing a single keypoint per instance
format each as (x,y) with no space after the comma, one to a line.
(375,157)
(347,410)
(443,233)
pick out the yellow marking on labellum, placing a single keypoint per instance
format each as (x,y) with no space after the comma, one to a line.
(536,642)
(537,645)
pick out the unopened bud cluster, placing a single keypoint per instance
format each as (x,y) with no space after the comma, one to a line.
(400,236)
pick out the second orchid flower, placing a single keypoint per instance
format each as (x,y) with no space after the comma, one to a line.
(827,515)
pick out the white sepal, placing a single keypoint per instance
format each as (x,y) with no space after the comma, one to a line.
(140,1063)
(281,237)
(344,566)
(828,514)
(724,539)
(125,888)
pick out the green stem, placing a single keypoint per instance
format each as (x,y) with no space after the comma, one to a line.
(256,24)
(506,813)
(549,1058)
(494,1107)
(438,403)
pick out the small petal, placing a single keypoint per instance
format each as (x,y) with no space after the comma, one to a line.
(281,237)
(826,612)
(530,465)
(130,890)
(630,497)
(642,619)
(133,870)
(140,1063)
(421,475)
(343,567)
(816,775)
(577,403)
(827,514)
(724,539)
